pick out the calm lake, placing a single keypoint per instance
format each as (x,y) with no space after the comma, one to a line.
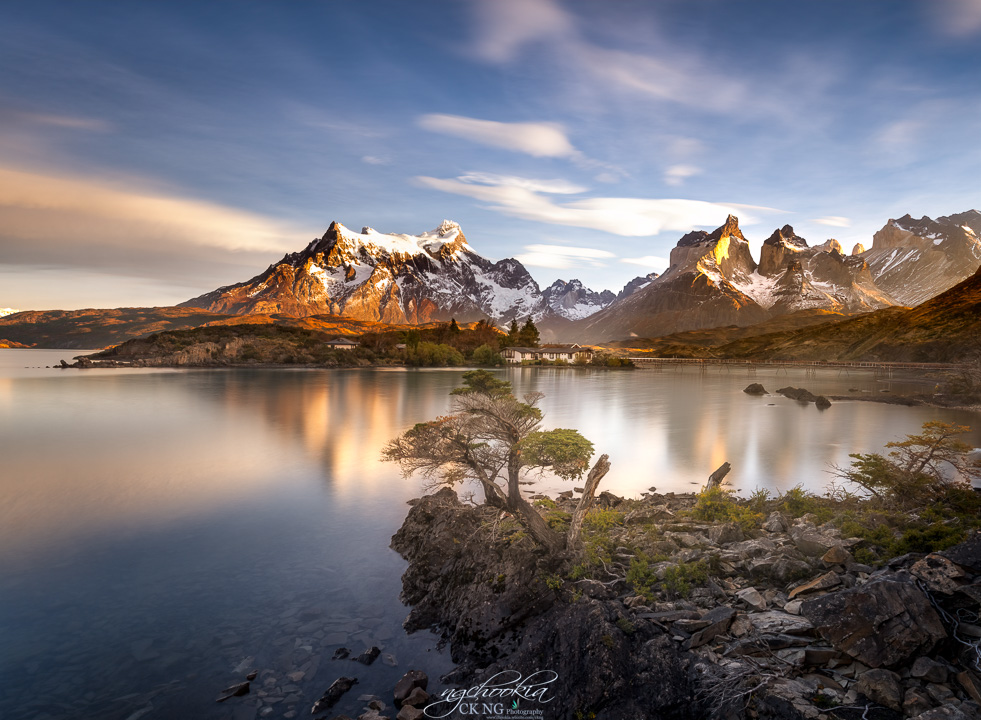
(164,532)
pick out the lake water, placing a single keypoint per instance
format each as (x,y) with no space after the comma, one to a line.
(164,532)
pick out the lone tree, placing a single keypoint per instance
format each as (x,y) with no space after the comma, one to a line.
(528,335)
(494,438)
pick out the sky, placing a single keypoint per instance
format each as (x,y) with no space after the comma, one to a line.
(153,151)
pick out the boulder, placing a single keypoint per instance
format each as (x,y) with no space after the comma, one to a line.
(775,621)
(967,554)
(787,569)
(938,573)
(882,686)
(929,670)
(417,698)
(882,623)
(776,522)
(822,403)
(409,682)
(718,621)
(811,542)
(408,712)
(752,597)
(234,691)
(330,697)
(944,712)
(822,582)
(368,656)
(755,389)
(725,533)
(915,701)
(836,555)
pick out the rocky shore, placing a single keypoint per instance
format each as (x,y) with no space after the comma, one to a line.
(681,619)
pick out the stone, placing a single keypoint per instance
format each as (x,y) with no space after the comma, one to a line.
(753,548)
(966,554)
(820,655)
(252,675)
(811,542)
(822,582)
(340,653)
(719,620)
(417,697)
(234,691)
(368,656)
(938,573)
(776,522)
(944,712)
(330,697)
(881,623)
(882,686)
(836,555)
(373,715)
(822,403)
(755,389)
(409,682)
(725,533)
(971,684)
(376,705)
(939,693)
(793,607)
(788,569)
(408,712)
(915,701)
(929,670)
(751,596)
(776,621)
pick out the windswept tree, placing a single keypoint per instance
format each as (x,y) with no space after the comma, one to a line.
(495,439)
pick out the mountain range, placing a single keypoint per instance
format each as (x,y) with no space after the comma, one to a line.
(712,281)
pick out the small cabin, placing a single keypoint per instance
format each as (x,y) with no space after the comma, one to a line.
(341,344)
(549,353)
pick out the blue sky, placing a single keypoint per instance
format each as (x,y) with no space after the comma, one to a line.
(153,151)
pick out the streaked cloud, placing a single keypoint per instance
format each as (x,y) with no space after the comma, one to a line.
(63,221)
(677,174)
(628,217)
(556,187)
(535,139)
(507,27)
(563,256)
(374,160)
(653,262)
(958,18)
(833,221)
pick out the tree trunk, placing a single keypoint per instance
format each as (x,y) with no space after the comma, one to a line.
(536,525)
(493,495)
(600,469)
(514,475)
(715,479)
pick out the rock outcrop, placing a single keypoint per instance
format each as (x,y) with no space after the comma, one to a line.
(752,641)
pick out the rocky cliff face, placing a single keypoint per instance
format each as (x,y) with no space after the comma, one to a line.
(394,278)
(387,278)
(915,260)
(714,281)
(573,300)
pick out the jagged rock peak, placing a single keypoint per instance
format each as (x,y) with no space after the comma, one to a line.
(786,236)
(695,237)
(446,227)
(638,283)
(858,249)
(730,229)
(830,245)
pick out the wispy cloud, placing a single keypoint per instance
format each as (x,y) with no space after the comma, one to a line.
(958,18)
(555,187)
(833,221)
(63,221)
(628,217)
(535,139)
(677,174)
(563,256)
(653,262)
(507,27)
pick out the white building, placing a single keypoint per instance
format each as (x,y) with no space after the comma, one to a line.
(569,353)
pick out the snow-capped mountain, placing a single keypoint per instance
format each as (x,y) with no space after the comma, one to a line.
(636,284)
(713,280)
(914,260)
(400,278)
(573,300)
(700,289)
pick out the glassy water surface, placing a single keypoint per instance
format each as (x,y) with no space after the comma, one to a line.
(164,532)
